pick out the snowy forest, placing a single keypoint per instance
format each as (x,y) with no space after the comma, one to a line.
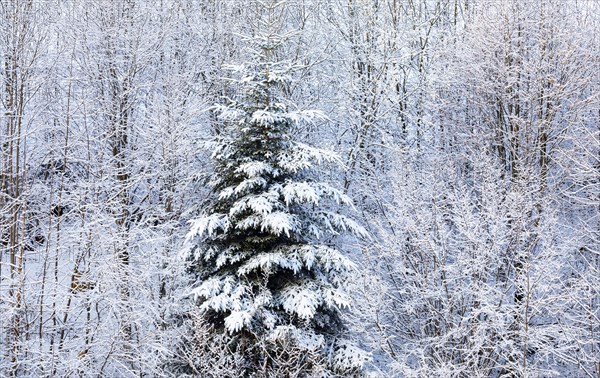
(300,188)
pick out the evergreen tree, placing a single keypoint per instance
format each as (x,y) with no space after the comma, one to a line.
(266,277)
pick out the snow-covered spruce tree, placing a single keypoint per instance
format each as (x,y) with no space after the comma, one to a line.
(267,274)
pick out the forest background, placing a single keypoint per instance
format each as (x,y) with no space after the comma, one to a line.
(469,132)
